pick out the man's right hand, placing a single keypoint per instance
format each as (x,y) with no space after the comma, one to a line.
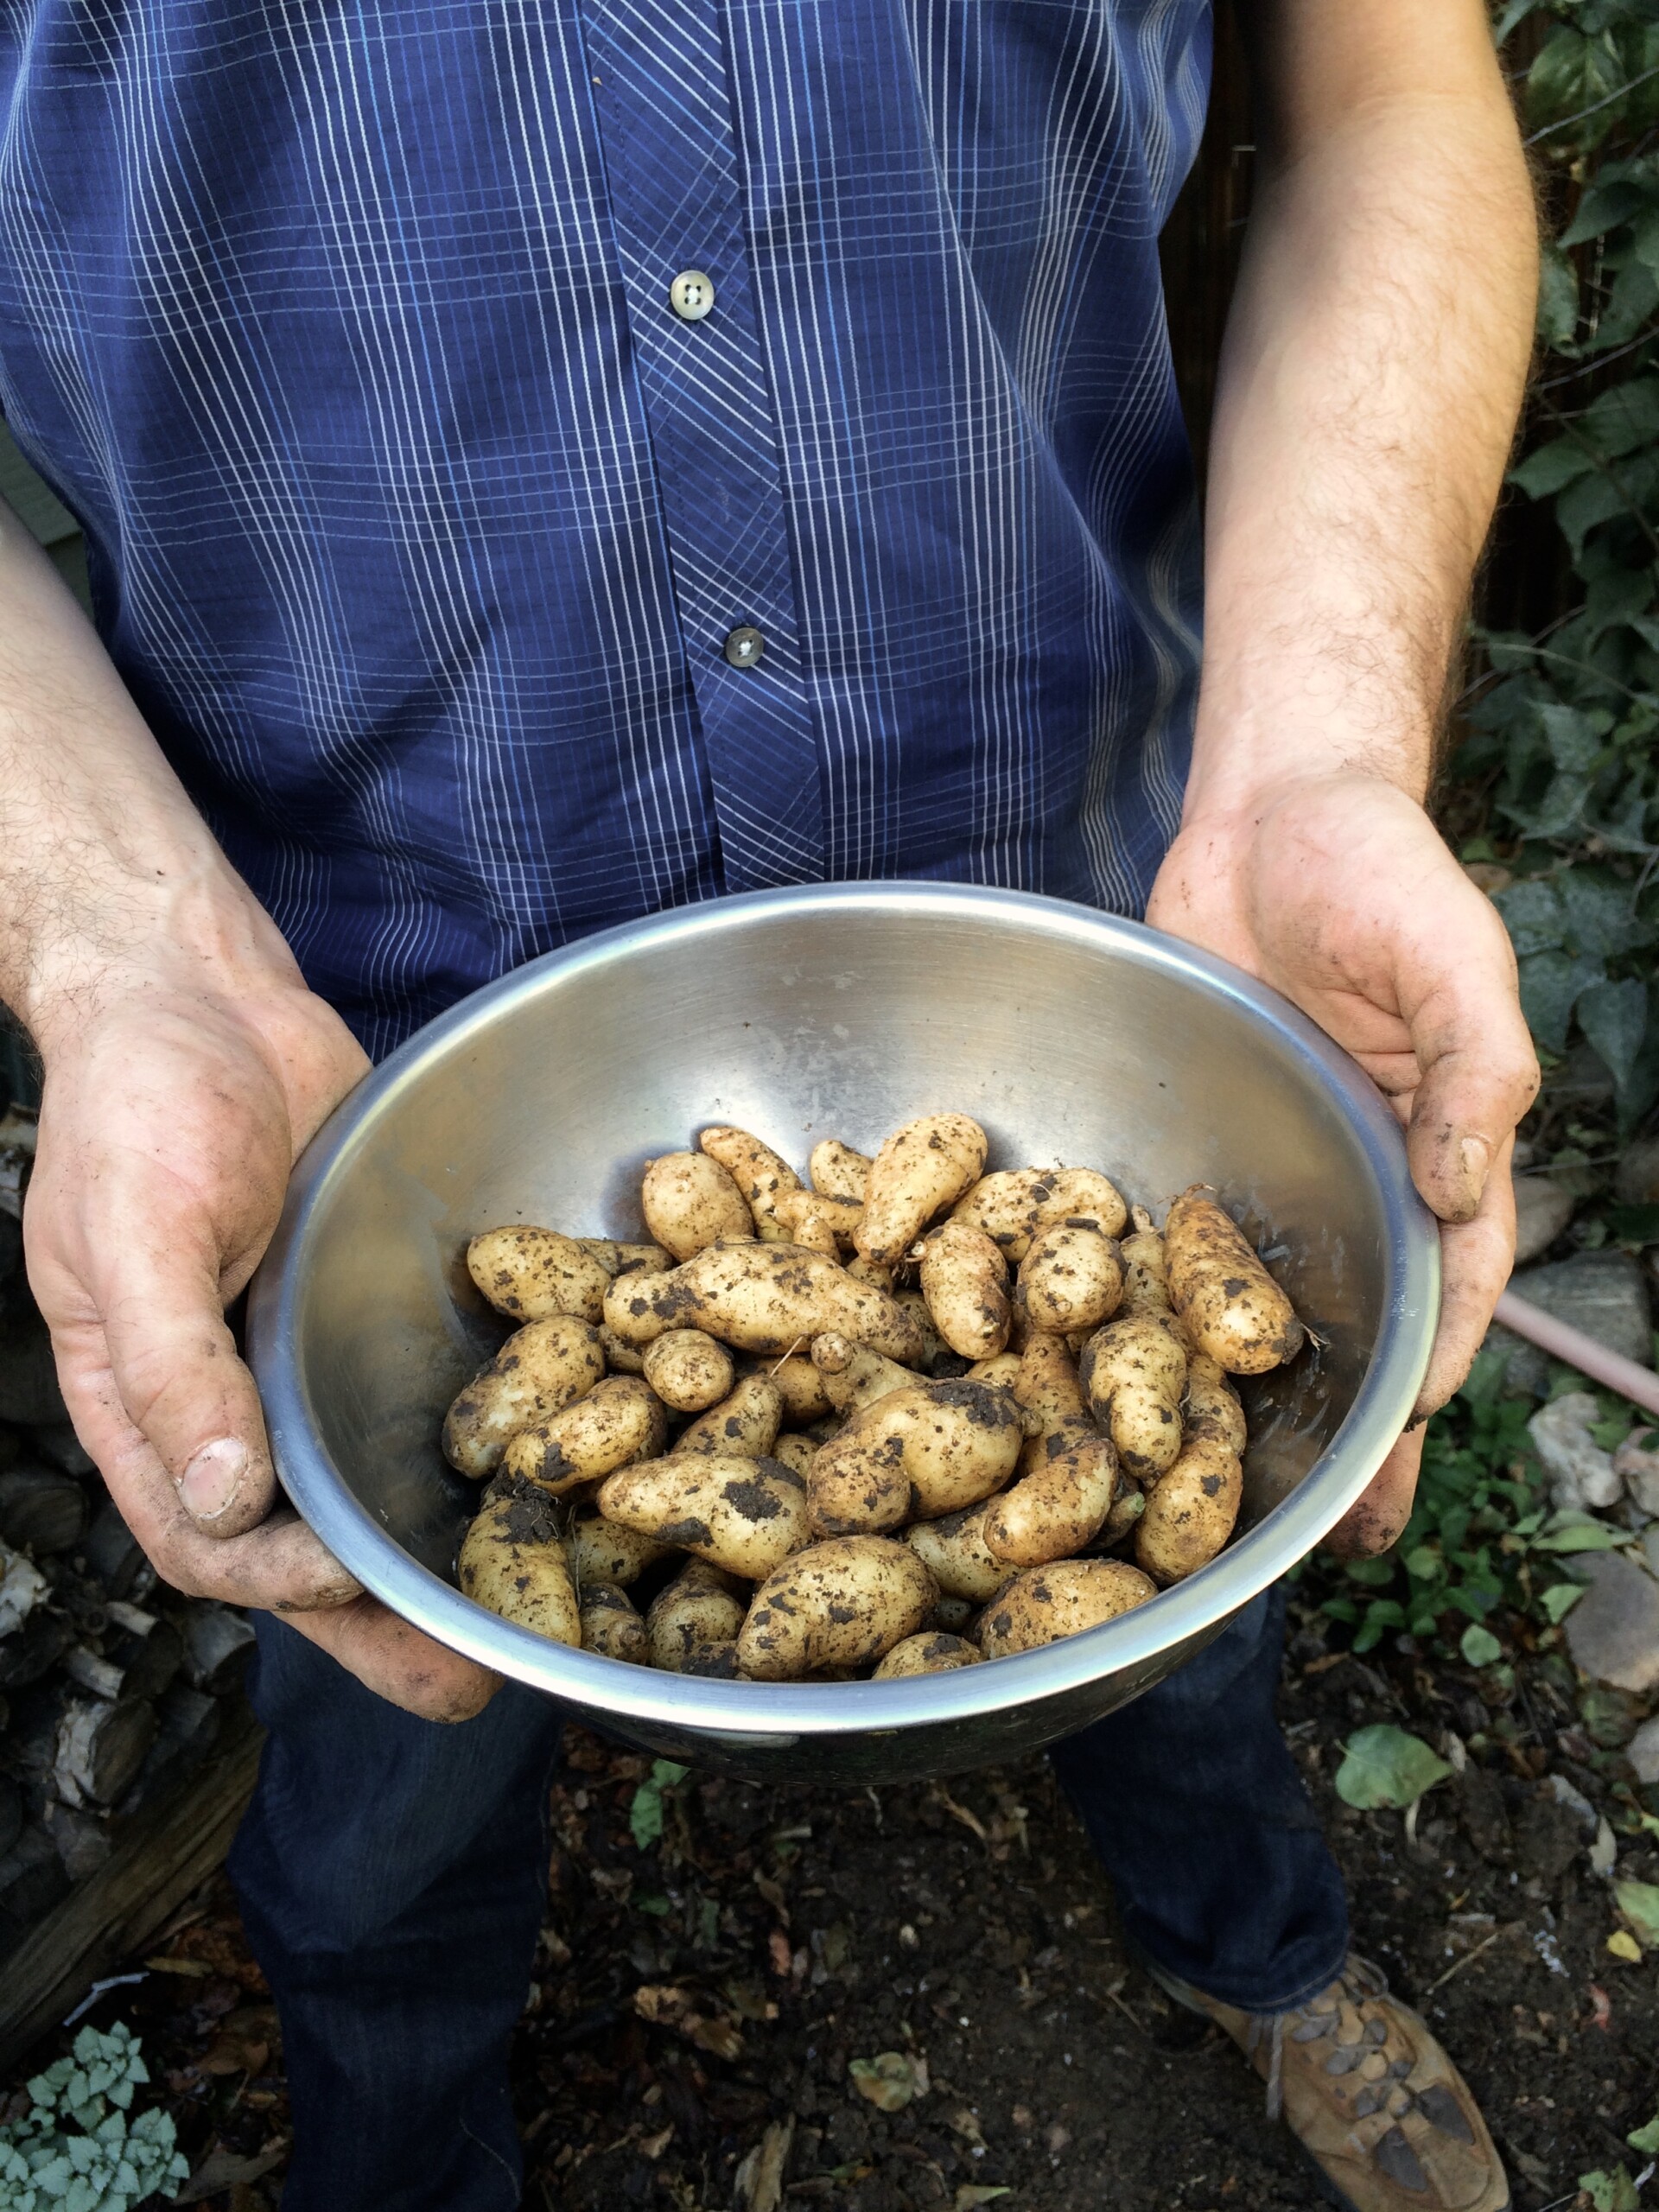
(170,1118)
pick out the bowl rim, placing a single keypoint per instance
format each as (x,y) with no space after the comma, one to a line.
(767,1713)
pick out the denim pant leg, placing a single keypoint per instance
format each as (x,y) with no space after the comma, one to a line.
(1192,1801)
(393,1874)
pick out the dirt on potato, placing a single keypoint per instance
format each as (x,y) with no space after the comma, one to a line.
(721,1963)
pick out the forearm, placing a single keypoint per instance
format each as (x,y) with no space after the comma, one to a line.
(108,879)
(1374,365)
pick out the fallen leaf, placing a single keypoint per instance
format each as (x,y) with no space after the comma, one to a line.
(667,2005)
(889,2080)
(966,2124)
(197,1969)
(1639,1903)
(1623,1945)
(969,2195)
(759,2183)
(941,1796)
(222,2169)
(1385,1766)
(1645,2140)
(1604,1852)
(654,2145)
(777,1951)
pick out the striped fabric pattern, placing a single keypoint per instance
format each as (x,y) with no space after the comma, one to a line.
(418,519)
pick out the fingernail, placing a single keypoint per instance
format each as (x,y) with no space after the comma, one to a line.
(210,1482)
(1474,1156)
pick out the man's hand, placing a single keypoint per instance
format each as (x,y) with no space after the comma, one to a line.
(170,1119)
(1338,890)
(1374,364)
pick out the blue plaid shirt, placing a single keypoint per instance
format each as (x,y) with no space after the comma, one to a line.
(484,586)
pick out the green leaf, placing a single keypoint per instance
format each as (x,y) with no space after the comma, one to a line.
(1532,914)
(1558,299)
(1571,75)
(1634,1226)
(1614,1017)
(1626,417)
(1551,468)
(1560,1598)
(1514,12)
(1645,2140)
(1385,1766)
(1639,1903)
(1585,1535)
(1550,984)
(645,1809)
(1610,2192)
(1375,1572)
(1479,1646)
(1576,736)
(1600,913)
(1604,206)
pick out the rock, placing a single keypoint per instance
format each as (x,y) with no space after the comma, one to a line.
(1638,1464)
(1546,1840)
(28,1376)
(1603,1293)
(1613,1630)
(1542,1210)
(1580,1473)
(1642,1751)
(41,1509)
(1637,1183)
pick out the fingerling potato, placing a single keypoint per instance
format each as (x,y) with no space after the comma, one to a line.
(745,1516)
(1228,1304)
(1061,1505)
(611,1626)
(760,1174)
(1046,1603)
(693,1619)
(920,1170)
(915,1455)
(842,1602)
(512,1561)
(965,1286)
(761,1298)
(1190,1511)
(1146,1288)
(836,1170)
(542,1367)
(934,1651)
(689,1201)
(688,1369)
(1133,1375)
(532,1274)
(1071,1278)
(618,1420)
(743,1425)
(954,1551)
(603,1551)
(853,1375)
(1210,1407)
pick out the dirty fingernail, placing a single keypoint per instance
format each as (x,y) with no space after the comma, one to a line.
(1475,1158)
(209,1484)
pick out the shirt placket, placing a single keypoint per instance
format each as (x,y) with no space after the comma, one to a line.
(666,119)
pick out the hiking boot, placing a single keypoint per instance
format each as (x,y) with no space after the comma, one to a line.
(1369,2094)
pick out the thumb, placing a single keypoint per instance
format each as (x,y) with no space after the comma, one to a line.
(177,1371)
(1479,1072)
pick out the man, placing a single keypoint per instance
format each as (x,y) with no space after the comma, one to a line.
(545,462)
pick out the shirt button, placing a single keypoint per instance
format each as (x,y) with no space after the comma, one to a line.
(744,647)
(692,295)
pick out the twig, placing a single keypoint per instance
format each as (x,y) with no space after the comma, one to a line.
(1457,1965)
(1123,2006)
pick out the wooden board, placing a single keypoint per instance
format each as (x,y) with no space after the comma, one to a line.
(165,1852)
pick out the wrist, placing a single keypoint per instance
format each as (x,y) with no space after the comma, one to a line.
(1235,789)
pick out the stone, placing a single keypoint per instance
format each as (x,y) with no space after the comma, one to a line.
(1637,1182)
(1603,1293)
(1642,1751)
(1613,1630)
(1580,1473)
(1542,1211)
(1638,1463)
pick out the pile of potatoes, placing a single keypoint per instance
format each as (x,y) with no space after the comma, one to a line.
(903,1417)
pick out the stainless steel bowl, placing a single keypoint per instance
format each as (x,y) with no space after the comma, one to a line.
(839,1010)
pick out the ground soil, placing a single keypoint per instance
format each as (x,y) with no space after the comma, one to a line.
(778,1936)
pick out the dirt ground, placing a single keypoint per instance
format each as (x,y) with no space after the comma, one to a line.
(698,2001)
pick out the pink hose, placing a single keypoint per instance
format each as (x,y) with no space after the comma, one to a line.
(1560,1339)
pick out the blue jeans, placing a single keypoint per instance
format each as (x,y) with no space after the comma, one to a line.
(392,1877)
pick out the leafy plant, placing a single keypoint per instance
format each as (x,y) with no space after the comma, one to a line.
(1386,1766)
(106,2161)
(1561,738)
(645,1807)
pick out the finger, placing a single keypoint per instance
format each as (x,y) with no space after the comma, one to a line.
(1378,1516)
(1476,1257)
(278,1565)
(398,1662)
(173,1363)
(1480,1073)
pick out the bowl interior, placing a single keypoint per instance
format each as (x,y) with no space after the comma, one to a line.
(1075,1039)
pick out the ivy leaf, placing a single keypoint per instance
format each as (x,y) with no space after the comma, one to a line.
(1598,911)
(1605,206)
(1610,2192)
(1617,487)
(1550,985)
(1553,466)
(1385,1766)
(1515,12)
(1570,74)
(1614,1017)
(1627,417)
(1479,1646)
(1558,299)
(1532,914)
(1575,735)
(645,1811)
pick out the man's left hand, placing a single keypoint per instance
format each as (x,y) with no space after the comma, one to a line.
(1338,890)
